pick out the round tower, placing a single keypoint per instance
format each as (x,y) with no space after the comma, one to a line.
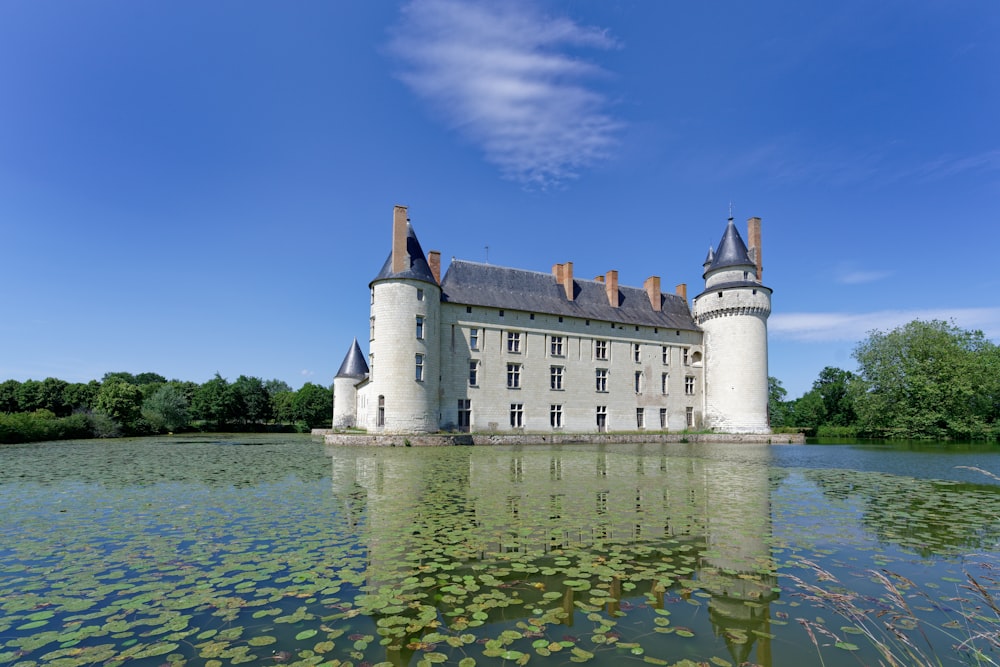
(733,312)
(353,370)
(405,327)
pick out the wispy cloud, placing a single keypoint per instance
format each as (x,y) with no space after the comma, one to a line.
(504,76)
(851,275)
(829,327)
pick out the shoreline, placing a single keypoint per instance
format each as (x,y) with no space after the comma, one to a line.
(331,437)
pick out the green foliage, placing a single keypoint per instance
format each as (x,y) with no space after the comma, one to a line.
(8,396)
(82,397)
(928,380)
(252,401)
(29,396)
(122,402)
(43,425)
(275,387)
(313,404)
(166,409)
(776,406)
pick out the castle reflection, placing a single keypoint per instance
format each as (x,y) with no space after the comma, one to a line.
(614,527)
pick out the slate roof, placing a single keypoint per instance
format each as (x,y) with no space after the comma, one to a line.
(476,284)
(732,251)
(418,268)
(354,365)
(732,284)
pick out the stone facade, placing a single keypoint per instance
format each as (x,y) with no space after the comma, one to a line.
(494,349)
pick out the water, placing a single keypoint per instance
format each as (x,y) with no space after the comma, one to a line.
(224,550)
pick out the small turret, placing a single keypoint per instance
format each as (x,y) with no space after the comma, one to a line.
(353,370)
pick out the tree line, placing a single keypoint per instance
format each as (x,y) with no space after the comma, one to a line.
(922,380)
(123,404)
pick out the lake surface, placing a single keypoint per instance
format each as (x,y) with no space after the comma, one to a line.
(272,549)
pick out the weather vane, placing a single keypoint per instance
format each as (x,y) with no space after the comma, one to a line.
(487,248)
(730,210)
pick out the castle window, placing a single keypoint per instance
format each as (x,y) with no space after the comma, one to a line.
(685,356)
(556,377)
(663,418)
(464,414)
(556,346)
(380,415)
(602,418)
(637,352)
(473,339)
(468,310)
(601,349)
(555,416)
(513,376)
(371,329)
(666,355)
(663,383)
(746,275)
(420,327)
(638,382)
(473,372)
(560,319)
(420,294)
(754,291)
(373,296)
(532,316)
(516,415)
(640,418)
(689,416)
(420,368)
(514,341)
(501,313)
(720,295)
(689,385)
(601,376)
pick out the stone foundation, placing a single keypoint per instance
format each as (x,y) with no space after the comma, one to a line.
(482,439)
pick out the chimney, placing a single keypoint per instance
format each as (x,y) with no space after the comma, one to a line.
(682,291)
(611,287)
(652,286)
(434,262)
(753,231)
(599,279)
(564,276)
(400,257)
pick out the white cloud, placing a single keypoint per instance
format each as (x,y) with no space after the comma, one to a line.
(305,372)
(859,276)
(501,74)
(828,327)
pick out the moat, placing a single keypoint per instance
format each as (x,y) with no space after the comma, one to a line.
(264,549)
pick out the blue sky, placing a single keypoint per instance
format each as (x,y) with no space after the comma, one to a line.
(199,187)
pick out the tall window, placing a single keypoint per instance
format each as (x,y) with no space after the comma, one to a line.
(516,415)
(664,382)
(556,346)
(473,339)
(473,372)
(371,329)
(600,349)
(689,414)
(513,376)
(420,327)
(640,418)
(602,418)
(689,385)
(513,341)
(420,368)
(685,356)
(666,355)
(556,416)
(663,418)
(556,377)
(420,294)
(380,415)
(638,382)
(464,414)
(636,352)
(602,379)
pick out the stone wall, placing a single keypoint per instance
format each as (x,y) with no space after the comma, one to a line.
(485,439)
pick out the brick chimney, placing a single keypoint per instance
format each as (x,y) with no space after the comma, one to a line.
(564,276)
(682,291)
(400,257)
(756,252)
(598,279)
(434,262)
(611,287)
(652,286)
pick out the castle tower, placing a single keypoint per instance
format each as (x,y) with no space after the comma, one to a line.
(353,370)
(402,394)
(733,312)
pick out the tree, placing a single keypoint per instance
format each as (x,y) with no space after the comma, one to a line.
(166,409)
(29,396)
(275,387)
(777,410)
(927,380)
(8,396)
(81,397)
(252,399)
(213,401)
(52,395)
(122,401)
(312,405)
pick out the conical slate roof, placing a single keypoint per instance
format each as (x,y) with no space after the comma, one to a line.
(418,267)
(354,365)
(732,251)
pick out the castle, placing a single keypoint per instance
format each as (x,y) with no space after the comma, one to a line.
(491,348)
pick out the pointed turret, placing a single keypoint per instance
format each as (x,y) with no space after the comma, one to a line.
(732,250)
(354,365)
(407,259)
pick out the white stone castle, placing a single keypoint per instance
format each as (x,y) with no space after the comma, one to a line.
(496,349)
